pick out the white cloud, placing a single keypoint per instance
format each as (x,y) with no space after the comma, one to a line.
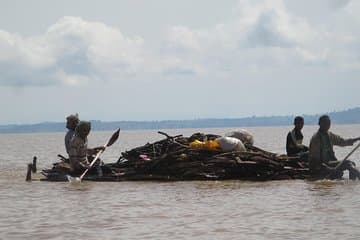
(182,38)
(260,35)
(72,51)
(264,23)
(269,25)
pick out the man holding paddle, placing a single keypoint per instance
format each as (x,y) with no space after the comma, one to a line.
(322,160)
(71,122)
(79,150)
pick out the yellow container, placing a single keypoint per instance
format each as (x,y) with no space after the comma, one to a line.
(207,145)
(212,145)
(196,144)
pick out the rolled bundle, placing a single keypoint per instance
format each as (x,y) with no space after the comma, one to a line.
(243,135)
(228,144)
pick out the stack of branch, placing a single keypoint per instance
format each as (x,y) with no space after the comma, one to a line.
(173,159)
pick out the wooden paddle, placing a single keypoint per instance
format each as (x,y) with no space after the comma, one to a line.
(111,141)
(350,153)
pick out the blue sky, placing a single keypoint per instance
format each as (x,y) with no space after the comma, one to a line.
(160,59)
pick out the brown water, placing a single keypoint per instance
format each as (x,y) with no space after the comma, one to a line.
(175,210)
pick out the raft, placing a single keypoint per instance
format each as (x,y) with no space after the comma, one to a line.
(173,159)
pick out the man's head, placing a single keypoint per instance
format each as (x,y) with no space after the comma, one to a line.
(72,121)
(83,129)
(324,123)
(299,122)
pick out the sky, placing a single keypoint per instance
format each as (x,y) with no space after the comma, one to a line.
(142,60)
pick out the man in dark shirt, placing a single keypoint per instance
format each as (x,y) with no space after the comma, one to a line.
(294,146)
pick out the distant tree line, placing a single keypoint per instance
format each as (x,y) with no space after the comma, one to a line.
(351,116)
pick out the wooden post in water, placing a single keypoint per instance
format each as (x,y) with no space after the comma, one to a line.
(28,174)
(34,169)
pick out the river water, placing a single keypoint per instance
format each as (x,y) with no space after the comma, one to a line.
(294,209)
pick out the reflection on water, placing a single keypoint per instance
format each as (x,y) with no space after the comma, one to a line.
(175,210)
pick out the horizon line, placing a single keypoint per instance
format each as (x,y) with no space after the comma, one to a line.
(194,119)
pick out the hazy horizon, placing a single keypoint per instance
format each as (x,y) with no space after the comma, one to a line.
(349,116)
(162,120)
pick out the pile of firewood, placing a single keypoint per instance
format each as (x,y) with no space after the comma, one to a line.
(173,159)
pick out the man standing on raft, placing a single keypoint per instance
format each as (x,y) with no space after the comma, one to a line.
(79,151)
(71,122)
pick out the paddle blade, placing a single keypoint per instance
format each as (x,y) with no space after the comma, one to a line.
(113,138)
